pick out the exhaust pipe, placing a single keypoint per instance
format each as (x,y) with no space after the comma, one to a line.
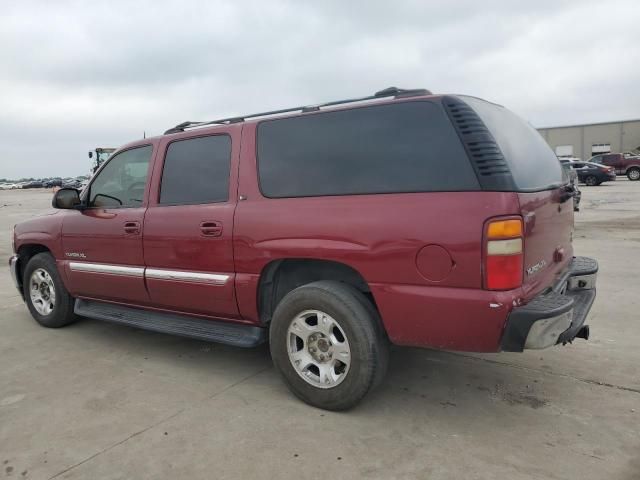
(583,332)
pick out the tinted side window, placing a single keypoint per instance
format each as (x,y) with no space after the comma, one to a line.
(196,171)
(533,164)
(122,181)
(403,147)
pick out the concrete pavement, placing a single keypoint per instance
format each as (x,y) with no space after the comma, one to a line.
(95,400)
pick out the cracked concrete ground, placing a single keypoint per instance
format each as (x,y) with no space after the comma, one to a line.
(96,401)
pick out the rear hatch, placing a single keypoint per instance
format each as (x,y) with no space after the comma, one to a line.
(536,177)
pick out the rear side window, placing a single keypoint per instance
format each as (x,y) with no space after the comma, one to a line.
(196,171)
(531,161)
(403,147)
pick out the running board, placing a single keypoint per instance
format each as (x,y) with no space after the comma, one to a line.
(191,327)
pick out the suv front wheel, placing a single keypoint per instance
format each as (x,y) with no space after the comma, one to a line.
(633,174)
(328,344)
(47,299)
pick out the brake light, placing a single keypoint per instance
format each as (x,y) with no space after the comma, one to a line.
(504,254)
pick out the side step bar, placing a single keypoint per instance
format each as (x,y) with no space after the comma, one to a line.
(191,327)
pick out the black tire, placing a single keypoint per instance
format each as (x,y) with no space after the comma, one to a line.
(62,312)
(591,181)
(362,328)
(633,174)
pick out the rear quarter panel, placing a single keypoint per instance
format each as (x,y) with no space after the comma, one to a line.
(380,237)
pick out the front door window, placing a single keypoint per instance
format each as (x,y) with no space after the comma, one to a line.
(121,183)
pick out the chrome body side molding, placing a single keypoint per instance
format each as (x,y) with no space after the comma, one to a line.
(152,273)
(108,269)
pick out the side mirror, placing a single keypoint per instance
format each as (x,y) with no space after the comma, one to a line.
(90,154)
(66,198)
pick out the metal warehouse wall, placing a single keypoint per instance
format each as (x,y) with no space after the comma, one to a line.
(622,136)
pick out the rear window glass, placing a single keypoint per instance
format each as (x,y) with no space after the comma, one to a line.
(403,147)
(533,164)
(196,171)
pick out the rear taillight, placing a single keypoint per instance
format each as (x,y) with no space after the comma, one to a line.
(504,251)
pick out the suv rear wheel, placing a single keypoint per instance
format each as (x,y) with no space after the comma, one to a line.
(328,344)
(633,174)
(48,301)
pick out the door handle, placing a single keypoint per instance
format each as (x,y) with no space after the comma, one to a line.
(132,228)
(211,229)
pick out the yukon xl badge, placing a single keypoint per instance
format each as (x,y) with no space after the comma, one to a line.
(75,255)
(533,269)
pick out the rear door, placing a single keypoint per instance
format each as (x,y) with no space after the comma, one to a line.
(546,209)
(616,161)
(188,228)
(103,244)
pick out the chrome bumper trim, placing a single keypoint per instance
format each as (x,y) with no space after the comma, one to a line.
(582,282)
(545,333)
(13,267)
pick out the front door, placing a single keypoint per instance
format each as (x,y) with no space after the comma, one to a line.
(188,228)
(103,243)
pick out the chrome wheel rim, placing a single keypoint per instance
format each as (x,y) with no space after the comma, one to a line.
(634,174)
(318,349)
(42,291)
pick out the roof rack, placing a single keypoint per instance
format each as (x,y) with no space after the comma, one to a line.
(387,92)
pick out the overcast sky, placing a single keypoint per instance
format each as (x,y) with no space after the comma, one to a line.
(76,75)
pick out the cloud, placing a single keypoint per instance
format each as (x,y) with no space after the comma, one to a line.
(77,75)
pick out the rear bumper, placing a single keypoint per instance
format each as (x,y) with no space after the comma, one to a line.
(555,316)
(576,200)
(13,267)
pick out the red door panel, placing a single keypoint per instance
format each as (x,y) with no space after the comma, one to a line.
(189,258)
(188,249)
(104,255)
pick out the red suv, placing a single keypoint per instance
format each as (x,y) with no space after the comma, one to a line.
(330,231)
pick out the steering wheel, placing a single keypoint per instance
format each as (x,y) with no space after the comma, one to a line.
(135,192)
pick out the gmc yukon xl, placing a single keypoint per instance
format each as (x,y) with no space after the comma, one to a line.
(330,231)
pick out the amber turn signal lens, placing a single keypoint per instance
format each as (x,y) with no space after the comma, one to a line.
(505,229)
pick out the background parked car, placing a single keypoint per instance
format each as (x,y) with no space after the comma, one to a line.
(70,183)
(33,184)
(593,174)
(623,164)
(54,182)
(569,158)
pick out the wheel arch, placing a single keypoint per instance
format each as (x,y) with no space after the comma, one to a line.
(281,276)
(26,252)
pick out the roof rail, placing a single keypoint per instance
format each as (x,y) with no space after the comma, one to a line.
(387,92)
